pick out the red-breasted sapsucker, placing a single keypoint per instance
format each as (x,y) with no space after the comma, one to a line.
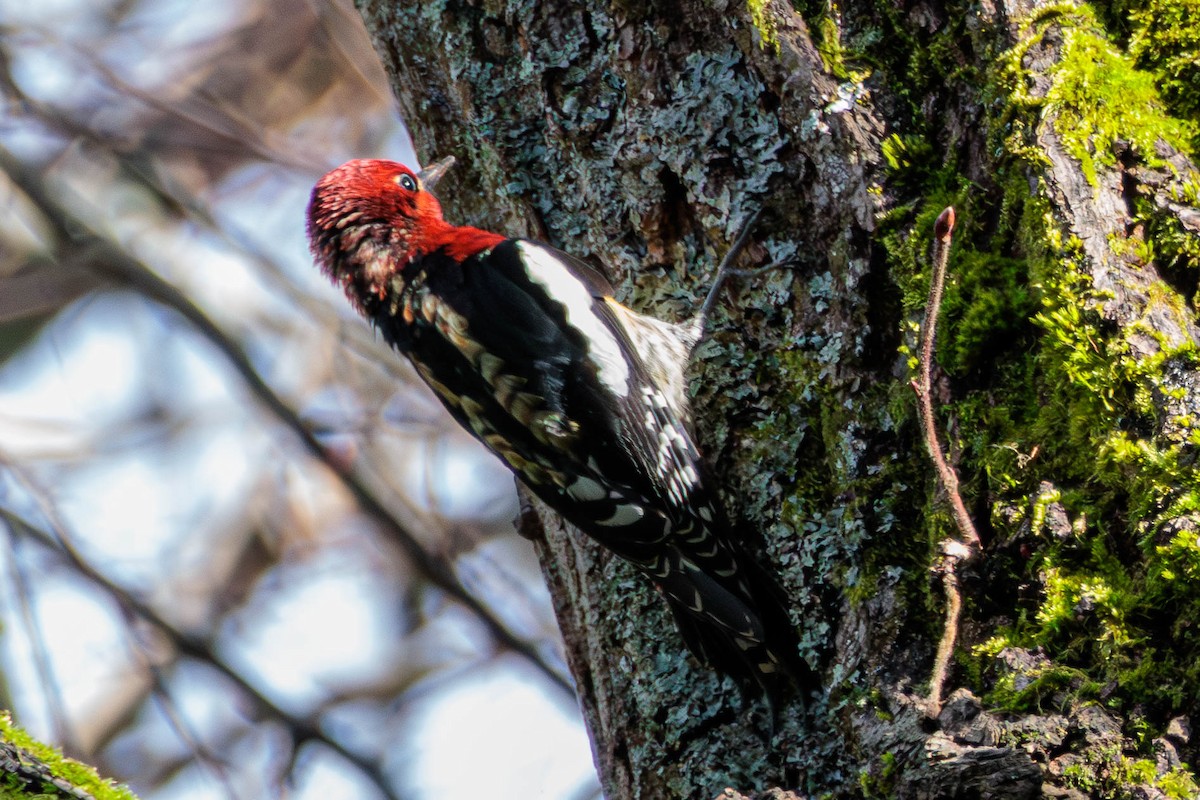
(582,398)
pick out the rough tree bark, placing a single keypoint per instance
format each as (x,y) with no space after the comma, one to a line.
(642,135)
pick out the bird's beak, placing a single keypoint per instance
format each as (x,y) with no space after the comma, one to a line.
(430,175)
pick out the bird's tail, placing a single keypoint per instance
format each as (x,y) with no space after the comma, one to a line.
(740,626)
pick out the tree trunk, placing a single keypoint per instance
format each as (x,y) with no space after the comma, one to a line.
(642,136)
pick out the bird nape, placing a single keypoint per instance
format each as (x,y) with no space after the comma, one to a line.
(583,399)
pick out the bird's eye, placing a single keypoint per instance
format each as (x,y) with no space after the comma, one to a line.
(407,182)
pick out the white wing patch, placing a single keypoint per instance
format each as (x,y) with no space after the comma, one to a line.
(603,349)
(625,514)
(584,488)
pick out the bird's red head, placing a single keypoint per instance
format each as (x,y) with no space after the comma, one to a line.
(367,219)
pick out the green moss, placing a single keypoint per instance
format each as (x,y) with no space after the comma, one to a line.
(764,22)
(880,779)
(1178,784)
(1086,615)
(1112,592)
(1163,38)
(1107,772)
(1047,390)
(1174,249)
(1167,40)
(1080,776)
(986,311)
(75,773)
(823,18)
(1054,688)
(1097,94)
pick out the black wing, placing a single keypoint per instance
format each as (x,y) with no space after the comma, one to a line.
(523,347)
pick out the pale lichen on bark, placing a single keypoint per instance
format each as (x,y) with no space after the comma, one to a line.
(646,145)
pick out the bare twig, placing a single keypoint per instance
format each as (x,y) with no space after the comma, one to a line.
(219,122)
(183,728)
(161,692)
(176,201)
(966,546)
(724,271)
(942,232)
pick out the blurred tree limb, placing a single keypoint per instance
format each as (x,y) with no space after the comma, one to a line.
(184,644)
(97,255)
(91,261)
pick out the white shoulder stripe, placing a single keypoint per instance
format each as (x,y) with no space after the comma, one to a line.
(603,349)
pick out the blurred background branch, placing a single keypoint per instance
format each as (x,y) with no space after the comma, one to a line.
(247,555)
